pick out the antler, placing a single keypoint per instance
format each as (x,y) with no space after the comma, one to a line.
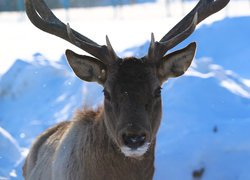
(43,18)
(185,27)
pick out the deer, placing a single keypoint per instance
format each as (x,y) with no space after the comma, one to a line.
(117,140)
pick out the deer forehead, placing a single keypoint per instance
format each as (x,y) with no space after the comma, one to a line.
(133,74)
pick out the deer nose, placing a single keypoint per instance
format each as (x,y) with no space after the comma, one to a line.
(134,141)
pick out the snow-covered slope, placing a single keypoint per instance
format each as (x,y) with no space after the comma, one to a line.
(206,120)
(10,154)
(206,125)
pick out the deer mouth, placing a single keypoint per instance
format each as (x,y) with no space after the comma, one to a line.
(135,152)
(134,142)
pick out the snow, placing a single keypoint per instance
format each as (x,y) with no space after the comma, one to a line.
(206,116)
(10,151)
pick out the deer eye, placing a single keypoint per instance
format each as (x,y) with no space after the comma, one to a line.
(157,92)
(106,94)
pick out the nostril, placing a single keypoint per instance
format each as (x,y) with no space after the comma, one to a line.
(134,141)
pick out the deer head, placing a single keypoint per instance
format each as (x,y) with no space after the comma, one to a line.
(132,86)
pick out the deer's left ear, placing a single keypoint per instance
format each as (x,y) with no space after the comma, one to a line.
(176,63)
(87,68)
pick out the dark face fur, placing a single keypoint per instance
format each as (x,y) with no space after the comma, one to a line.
(133,105)
(132,90)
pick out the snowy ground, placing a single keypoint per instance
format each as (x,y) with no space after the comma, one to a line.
(206,113)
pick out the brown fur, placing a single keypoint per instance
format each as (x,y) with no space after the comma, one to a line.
(91,156)
(43,141)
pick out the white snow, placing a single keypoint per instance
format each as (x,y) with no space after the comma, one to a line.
(206,115)
(9,138)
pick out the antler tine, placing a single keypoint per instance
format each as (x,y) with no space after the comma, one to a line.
(43,18)
(101,52)
(204,8)
(186,26)
(110,48)
(151,49)
(158,49)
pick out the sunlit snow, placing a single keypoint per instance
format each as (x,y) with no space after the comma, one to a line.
(206,115)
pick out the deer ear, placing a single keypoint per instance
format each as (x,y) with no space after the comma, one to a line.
(87,68)
(176,63)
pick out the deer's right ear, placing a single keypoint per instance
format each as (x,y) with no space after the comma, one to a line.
(87,68)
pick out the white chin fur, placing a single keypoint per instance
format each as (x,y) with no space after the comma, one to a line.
(127,151)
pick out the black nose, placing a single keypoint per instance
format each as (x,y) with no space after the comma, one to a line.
(134,140)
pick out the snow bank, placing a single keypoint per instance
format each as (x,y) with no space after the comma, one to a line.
(206,122)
